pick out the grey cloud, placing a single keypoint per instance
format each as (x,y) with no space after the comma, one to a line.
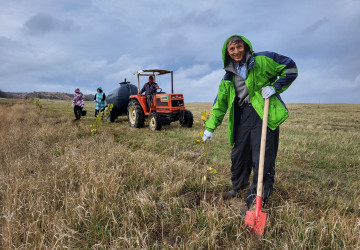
(7,44)
(115,38)
(43,23)
(315,26)
(208,17)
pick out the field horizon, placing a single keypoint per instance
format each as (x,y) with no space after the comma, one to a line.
(63,187)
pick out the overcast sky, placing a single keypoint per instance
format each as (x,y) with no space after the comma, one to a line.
(58,45)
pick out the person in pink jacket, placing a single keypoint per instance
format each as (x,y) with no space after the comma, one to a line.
(78,103)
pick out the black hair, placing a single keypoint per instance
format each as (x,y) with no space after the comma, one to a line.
(236,40)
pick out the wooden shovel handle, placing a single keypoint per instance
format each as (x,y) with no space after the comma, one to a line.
(262,148)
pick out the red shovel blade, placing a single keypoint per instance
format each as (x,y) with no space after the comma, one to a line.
(255,220)
(255,224)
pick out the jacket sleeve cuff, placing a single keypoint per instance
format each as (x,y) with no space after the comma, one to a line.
(276,91)
(210,130)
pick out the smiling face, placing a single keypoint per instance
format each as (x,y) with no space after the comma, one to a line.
(236,51)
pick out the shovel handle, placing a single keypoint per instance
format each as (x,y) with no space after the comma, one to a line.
(262,149)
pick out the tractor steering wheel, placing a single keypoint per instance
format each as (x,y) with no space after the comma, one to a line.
(159,90)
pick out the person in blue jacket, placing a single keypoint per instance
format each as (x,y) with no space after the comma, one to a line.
(99,100)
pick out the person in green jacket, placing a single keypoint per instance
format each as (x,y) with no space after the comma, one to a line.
(249,79)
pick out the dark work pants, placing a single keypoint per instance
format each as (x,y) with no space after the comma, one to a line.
(246,152)
(149,100)
(96,112)
(77,112)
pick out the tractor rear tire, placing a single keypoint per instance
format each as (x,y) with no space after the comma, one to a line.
(188,119)
(154,121)
(135,114)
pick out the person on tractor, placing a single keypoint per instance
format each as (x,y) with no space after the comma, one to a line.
(149,88)
(249,79)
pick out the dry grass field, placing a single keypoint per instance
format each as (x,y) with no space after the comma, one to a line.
(123,188)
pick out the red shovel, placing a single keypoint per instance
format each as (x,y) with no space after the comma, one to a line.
(255,220)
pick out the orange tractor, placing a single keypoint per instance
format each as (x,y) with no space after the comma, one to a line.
(165,108)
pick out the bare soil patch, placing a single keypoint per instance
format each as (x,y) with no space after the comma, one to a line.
(193,199)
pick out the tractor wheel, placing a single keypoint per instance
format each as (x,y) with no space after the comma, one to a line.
(188,119)
(154,121)
(135,114)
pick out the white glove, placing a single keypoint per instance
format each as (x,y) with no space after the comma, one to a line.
(267,91)
(208,135)
(72,105)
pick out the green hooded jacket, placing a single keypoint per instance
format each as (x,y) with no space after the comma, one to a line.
(263,69)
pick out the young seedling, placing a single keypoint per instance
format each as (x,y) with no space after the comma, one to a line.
(207,169)
(95,127)
(107,111)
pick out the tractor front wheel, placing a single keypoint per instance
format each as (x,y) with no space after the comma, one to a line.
(154,121)
(187,120)
(135,114)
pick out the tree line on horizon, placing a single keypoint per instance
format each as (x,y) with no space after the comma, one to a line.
(42,95)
